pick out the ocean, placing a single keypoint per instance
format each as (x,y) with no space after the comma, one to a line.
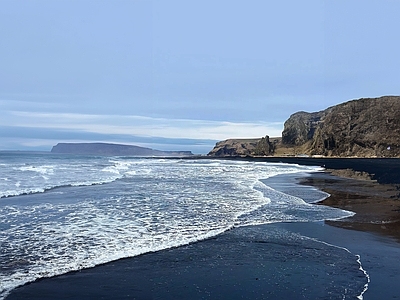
(63,213)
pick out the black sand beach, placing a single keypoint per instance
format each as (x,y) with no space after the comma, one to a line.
(245,263)
(249,263)
(377,206)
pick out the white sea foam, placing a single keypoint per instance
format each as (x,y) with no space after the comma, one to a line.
(37,177)
(150,205)
(43,169)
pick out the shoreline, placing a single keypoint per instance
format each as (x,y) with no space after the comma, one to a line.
(376,206)
(383,170)
(370,187)
(242,262)
(249,262)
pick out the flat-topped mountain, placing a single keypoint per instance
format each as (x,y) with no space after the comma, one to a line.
(113,150)
(367,127)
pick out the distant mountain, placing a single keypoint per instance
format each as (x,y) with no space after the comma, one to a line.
(367,127)
(112,150)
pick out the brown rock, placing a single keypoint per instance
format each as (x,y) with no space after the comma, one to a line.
(243,147)
(368,127)
(300,127)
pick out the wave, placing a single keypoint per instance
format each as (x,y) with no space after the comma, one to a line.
(20,278)
(165,205)
(42,169)
(24,192)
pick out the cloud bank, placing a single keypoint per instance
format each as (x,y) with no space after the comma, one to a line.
(43,129)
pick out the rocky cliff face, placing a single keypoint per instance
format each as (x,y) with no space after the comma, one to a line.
(368,127)
(243,147)
(300,127)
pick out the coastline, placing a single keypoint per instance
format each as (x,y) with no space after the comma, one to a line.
(383,170)
(374,231)
(370,187)
(376,206)
(241,263)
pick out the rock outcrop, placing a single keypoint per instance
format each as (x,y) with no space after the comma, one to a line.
(243,147)
(112,150)
(300,127)
(368,127)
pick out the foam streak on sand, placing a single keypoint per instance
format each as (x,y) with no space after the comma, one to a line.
(360,268)
(288,185)
(366,275)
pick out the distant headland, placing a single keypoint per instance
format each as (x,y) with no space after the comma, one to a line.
(107,149)
(367,127)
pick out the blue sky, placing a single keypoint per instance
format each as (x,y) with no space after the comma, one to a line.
(181,75)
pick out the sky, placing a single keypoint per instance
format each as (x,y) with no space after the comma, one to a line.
(182,75)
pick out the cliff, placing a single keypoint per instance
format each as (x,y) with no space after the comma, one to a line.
(301,126)
(367,127)
(243,147)
(112,150)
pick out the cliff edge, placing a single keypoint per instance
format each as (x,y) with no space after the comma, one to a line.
(244,147)
(367,127)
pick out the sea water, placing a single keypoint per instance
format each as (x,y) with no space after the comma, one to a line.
(61,213)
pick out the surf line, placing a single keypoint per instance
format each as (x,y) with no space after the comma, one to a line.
(361,296)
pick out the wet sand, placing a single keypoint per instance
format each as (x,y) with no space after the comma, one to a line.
(244,263)
(377,206)
(374,231)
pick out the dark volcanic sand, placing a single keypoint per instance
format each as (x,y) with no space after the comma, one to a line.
(245,263)
(384,170)
(377,206)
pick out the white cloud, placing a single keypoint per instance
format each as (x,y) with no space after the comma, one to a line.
(141,125)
